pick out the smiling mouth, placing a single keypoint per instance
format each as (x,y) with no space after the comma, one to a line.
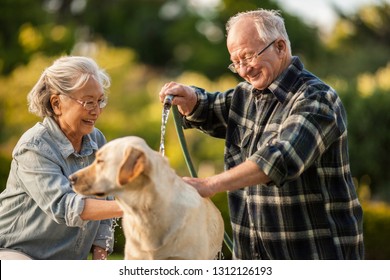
(255,76)
(90,122)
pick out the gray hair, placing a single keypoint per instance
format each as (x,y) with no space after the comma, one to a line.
(66,75)
(269,24)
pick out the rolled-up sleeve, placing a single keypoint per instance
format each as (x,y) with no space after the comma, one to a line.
(211,112)
(303,137)
(105,236)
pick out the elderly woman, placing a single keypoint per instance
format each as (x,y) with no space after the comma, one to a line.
(40,215)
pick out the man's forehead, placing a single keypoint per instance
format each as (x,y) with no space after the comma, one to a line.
(243,34)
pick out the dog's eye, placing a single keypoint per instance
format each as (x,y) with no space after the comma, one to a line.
(99,161)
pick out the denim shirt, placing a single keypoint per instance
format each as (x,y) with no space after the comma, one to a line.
(39,211)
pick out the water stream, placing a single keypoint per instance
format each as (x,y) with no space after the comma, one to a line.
(164,119)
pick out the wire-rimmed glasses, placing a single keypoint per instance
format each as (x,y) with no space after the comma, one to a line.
(89,105)
(235,66)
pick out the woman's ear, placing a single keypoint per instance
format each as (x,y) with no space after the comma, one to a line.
(56,104)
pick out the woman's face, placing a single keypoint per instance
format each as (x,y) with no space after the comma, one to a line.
(74,120)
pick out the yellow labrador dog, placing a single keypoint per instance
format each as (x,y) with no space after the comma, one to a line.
(164,217)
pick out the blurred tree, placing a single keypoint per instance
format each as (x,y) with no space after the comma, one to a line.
(29,27)
(361,42)
(174,35)
(180,35)
(367,103)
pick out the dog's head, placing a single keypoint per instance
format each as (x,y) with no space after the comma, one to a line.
(118,163)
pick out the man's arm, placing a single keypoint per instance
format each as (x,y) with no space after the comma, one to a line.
(243,175)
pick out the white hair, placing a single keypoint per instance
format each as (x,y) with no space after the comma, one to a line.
(66,75)
(269,24)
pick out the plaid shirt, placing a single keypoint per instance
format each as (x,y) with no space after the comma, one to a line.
(296,132)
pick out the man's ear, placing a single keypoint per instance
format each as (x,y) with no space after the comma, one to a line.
(132,165)
(281,46)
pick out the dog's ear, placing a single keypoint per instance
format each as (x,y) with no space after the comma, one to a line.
(132,165)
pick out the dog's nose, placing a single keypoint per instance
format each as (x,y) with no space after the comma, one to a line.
(73,179)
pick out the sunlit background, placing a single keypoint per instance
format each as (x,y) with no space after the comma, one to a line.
(145,43)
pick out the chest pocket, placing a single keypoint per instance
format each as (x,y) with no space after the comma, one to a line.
(242,136)
(238,145)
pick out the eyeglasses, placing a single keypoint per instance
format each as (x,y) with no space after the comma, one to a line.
(235,67)
(89,105)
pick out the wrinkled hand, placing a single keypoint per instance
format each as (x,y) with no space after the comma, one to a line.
(99,253)
(202,185)
(184,96)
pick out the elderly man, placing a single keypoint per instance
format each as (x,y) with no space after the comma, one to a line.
(291,194)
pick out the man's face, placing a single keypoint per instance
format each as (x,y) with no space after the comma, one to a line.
(244,44)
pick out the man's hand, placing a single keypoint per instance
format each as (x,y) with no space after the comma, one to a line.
(201,185)
(184,96)
(243,175)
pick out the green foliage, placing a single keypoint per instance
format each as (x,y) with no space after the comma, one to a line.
(28,27)
(369,138)
(174,35)
(376,231)
(359,43)
(5,163)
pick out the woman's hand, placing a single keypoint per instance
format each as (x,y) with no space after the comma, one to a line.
(99,253)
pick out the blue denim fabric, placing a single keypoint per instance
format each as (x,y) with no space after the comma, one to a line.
(39,211)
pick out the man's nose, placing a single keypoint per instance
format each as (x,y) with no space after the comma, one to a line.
(244,69)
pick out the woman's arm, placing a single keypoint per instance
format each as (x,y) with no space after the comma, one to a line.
(95,209)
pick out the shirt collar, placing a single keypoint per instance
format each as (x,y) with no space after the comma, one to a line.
(282,86)
(65,146)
